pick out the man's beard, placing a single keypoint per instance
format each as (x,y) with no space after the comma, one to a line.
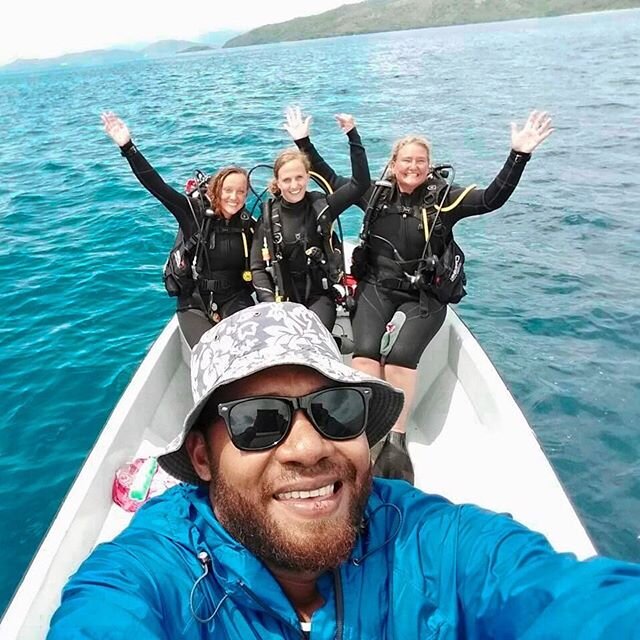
(311,547)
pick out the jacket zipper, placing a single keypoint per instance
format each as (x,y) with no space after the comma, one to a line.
(266,609)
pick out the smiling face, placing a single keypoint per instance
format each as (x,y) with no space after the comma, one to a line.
(233,194)
(292,180)
(410,166)
(227,191)
(299,505)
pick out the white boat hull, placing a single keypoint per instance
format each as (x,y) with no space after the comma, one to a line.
(468,440)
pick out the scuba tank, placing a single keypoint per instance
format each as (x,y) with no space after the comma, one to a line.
(179,272)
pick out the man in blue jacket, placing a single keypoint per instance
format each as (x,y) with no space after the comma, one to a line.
(280,532)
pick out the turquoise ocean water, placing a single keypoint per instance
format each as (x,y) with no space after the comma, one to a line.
(554,287)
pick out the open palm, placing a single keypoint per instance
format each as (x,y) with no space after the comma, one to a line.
(296,125)
(115,128)
(536,130)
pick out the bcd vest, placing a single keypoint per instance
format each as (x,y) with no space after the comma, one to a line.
(186,267)
(324,256)
(441,271)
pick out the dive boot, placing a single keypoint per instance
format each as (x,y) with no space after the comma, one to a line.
(393,460)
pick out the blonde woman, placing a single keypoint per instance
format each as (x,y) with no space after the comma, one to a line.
(291,255)
(408,266)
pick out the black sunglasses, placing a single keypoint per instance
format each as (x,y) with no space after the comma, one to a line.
(259,423)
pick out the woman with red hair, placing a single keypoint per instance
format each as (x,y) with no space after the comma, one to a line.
(208,269)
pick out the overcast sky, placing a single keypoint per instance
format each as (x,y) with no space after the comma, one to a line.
(41,29)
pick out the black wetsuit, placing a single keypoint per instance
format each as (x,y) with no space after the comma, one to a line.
(377,302)
(221,287)
(303,281)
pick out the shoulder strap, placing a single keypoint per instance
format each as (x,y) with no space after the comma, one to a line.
(434,197)
(379,196)
(320,209)
(275,226)
(433,192)
(201,239)
(267,213)
(332,242)
(245,220)
(271,217)
(247,228)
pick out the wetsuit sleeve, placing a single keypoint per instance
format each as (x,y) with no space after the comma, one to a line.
(352,191)
(177,203)
(320,165)
(111,596)
(478,201)
(512,584)
(262,281)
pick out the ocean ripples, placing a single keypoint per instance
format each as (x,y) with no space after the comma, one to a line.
(553,293)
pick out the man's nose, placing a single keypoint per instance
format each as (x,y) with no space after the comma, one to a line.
(304,444)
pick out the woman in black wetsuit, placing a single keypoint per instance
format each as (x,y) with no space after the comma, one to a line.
(394,250)
(223,282)
(289,258)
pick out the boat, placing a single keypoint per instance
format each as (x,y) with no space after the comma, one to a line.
(468,439)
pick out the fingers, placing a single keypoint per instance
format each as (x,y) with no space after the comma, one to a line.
(345,121)
(296,125)
(544,123)
(531,120)
(538,120)
(536,130)
(293,115)
(115,128)
(546,133)
(541,126)
(110,120)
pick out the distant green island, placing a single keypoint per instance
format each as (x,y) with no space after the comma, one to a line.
(375,16)
(161,49)
(371,16)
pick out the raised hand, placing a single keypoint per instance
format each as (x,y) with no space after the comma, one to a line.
(536,130)
(296,125)
(115,128)
(345,121)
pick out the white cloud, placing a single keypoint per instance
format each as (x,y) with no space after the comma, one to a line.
(35,29)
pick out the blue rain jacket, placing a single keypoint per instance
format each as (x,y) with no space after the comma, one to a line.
(422,568)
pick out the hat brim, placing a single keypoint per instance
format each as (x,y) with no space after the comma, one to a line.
(385,404)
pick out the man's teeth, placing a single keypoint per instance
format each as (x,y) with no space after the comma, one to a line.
(303,495)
